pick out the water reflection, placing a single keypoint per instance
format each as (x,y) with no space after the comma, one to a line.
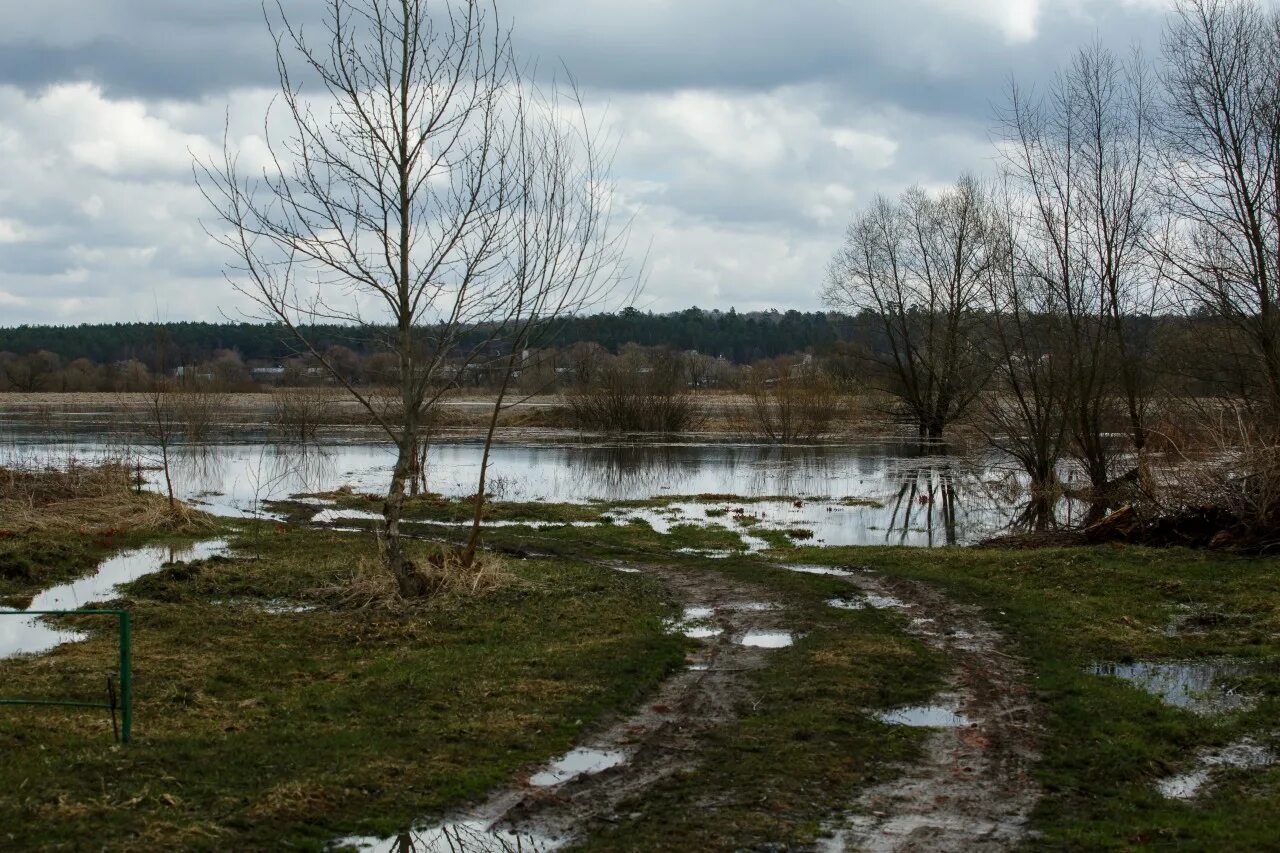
(1202,686)
(33,635)
(454,837)
(879,492)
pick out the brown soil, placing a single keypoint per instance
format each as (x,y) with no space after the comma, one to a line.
(974,789)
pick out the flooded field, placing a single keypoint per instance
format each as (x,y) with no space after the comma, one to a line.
(34,635)
(867,493)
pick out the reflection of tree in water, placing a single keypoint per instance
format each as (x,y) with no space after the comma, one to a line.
(264,470)
(466,838)
(792,470)
(632,471)
(640,471)
(953,499)
(926,499)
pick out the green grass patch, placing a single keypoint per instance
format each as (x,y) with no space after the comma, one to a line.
(271,730)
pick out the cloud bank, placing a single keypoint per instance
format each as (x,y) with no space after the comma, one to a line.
(748,130)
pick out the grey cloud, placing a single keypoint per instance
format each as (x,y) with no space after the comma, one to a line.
(907,53)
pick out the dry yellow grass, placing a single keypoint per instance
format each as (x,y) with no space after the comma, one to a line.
(371,587)
(85,499)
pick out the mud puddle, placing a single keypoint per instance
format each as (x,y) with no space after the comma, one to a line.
(972,788)
(942,715)
(461,836)
(767,639)
(33,635)
(577,762)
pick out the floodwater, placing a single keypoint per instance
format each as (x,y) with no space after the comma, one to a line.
(33,635)
(1202,686)
(868,493)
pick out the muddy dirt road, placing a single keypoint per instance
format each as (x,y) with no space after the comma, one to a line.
(971,790)
(974,789)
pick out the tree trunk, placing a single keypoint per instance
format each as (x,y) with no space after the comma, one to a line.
(473,541)
(412,583)
(168,479)
(935,430)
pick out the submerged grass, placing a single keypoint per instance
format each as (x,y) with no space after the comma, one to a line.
(262,730)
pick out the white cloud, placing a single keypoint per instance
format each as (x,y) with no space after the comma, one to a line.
(1017,20)
(12,231)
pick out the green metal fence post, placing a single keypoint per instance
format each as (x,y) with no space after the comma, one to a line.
(126,676)
(126,667)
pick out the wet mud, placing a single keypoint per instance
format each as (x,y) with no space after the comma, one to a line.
(972,788)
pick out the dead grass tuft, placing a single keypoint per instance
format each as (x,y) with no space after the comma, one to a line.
(42,485)
(372,587)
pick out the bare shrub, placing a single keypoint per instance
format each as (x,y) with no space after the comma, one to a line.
(444,571)
(793,403)
(1236,473)
(197,405)
(297,413)
(632,398)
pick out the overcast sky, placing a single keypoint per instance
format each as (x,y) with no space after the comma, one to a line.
(749,130)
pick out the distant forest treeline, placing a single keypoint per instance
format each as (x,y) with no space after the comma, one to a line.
(739,337)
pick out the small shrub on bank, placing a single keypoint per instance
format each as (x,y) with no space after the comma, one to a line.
(627,398)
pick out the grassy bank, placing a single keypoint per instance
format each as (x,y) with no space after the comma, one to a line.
(274,728)
(1106,743)
(58,523)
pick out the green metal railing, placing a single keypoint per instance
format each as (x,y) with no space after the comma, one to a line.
(125,700)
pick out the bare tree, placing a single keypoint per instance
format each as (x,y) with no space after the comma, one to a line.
(159,421)
(1026,411)
(1221,132)
(562,255)
(1082,156)
(919,264)
(396,196)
